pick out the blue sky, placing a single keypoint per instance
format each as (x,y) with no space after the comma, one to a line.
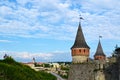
(46,29)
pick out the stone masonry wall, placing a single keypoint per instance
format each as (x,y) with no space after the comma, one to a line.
(82,71)
(93,71)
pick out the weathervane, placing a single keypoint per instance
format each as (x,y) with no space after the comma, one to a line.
(100,37)
(81,18)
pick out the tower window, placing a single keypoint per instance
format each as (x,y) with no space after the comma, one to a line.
(74,51)
(80,50)
(84,50)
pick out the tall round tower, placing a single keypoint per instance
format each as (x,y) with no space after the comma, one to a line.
(80,49)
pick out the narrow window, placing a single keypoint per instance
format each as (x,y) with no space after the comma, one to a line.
(84,50)
(74,51)
(80,50)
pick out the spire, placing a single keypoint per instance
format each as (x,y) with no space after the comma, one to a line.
(99,51)
(80,40)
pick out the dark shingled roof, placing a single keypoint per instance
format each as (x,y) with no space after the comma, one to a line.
(99,51)
(80,40)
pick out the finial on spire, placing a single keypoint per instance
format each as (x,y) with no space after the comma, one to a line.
(100,37)
(81,18)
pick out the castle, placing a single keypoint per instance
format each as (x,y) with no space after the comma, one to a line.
(99,68)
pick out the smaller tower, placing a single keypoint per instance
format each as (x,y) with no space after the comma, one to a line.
(99,55)
(5,56)
(34,60)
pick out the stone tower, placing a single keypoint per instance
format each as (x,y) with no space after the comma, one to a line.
(80,49)
(99,55)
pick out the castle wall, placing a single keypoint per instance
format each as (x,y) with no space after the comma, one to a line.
(79,59)
(94,71)
(111,71)
(119,71)
(99,75)
(81,72)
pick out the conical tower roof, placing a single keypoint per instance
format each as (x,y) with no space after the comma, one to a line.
(80,40)
(99,51)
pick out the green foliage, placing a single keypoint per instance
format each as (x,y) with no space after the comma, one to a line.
(12,70)
(47,65)
(65,68)
(38,65)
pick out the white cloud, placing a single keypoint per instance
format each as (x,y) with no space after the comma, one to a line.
(46,57)
(27,55)
(58,19)
(5,41)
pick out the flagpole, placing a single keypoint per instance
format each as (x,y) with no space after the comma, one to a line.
(100,37)
(80,18)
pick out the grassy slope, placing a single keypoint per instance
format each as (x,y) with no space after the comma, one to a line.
(12,70)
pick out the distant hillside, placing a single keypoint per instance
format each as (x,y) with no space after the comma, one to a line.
(12,70)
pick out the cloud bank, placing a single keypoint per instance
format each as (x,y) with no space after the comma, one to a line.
(40,57)
(57,19)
